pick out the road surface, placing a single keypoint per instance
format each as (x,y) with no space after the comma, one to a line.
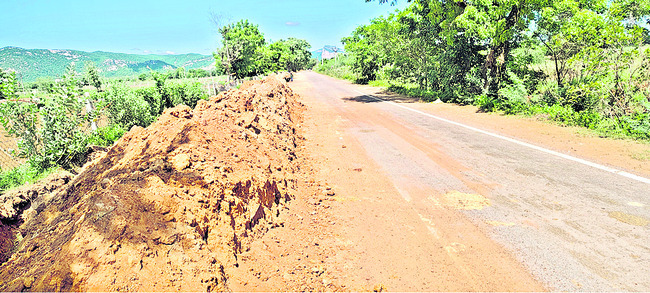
(424,203)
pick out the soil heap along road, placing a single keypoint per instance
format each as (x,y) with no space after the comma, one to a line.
(167,208)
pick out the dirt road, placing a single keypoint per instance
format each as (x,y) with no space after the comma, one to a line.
(405,201)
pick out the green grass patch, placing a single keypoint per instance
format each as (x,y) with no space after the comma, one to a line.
(412,90)
(380,83)
(24,174)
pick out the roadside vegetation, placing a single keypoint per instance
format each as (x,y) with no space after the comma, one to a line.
(245,52)
(55,121)
(575,62)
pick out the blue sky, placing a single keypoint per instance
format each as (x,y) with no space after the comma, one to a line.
(174,27)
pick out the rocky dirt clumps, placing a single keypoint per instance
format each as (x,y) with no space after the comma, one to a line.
(168,207)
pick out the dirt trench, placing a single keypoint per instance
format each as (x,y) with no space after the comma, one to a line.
(169,207)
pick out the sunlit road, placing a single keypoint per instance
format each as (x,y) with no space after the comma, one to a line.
(572,225)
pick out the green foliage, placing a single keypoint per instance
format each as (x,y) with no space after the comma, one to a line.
(49,132)
(106,136)
(43,85)
(152,96)
(414,91)
(186,93)
(241,45)
(244,52)
(127,107)
(92,76)
(20,119)
(124,108)
(61,117)
(20,175)
(367,57)
(340,67)
(290,55)
(7,84)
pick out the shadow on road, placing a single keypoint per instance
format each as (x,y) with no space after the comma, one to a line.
(384,95)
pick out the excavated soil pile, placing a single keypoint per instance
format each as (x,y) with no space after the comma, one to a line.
(168,207)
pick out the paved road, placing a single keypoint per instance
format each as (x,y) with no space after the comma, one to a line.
(574,226)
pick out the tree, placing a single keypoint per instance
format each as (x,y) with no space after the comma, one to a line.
(241,44)
(553,32)
(49,132)
(291,55)
(367,47)
(92,75)
(497,24)
(8,84)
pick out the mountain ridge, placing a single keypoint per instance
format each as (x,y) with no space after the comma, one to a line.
(32,64)
(327,52)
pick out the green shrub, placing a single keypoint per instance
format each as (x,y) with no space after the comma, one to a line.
(8,84)
(49,133)
(414,91)
(187,93)
(340,67)
(21,175)
(126,109)
(106,136)
(152,96)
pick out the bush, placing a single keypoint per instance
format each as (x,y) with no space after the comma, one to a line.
(414,91)
(106,136)
(340,67)
(187,93)
(21,175)
(152,96)
(48,131)
(7,84)
(126,109)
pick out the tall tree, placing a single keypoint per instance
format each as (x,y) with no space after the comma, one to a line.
(241,44)
(497,23)
(291,54)
(92,75)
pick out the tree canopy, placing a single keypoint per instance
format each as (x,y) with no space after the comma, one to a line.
(244,52)
(588,55)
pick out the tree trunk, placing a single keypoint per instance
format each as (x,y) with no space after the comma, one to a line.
(492,71)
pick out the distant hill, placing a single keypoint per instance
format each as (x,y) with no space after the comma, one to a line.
(327,52)
(31,64)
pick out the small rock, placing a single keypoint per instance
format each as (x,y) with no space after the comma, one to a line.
(28,282)
(180,162)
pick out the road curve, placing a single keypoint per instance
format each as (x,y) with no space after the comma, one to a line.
(573,225)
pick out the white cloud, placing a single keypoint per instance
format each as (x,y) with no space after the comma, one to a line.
(292,23)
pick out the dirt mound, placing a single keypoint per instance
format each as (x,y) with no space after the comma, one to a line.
(18,205)
(168,207)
